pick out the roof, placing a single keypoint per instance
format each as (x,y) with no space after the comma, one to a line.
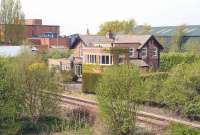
(90,40)
(189,30)
(137,39)
(139,63)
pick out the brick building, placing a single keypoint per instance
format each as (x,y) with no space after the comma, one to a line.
(141,50)
(39,34)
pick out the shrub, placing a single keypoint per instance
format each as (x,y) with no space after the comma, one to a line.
(192,109)
(89,82)
(116,97)
(170,60)
(178,129)
(182,86)
(152,85)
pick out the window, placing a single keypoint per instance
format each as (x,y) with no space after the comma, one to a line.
(155,51)
(144,52)
(105,60)
(131,51)
(91,59)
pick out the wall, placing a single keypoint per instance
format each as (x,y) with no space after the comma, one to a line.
(151,60)
(34,30)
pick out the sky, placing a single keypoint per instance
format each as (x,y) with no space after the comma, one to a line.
(75,16)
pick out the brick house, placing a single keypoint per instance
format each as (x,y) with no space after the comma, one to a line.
(142,50)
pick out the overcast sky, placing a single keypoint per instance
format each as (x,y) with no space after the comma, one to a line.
(74,16)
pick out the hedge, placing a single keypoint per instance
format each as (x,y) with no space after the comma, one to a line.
(89,82)
(169,60)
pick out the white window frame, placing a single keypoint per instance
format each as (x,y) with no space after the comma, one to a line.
(131,52)
(108,61)
(144,50)
(155,52)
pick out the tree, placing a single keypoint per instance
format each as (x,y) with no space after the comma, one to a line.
(125,27)
(192,46)
(144,29)
(116,97)
(35,79)
(177,41)
(12,22)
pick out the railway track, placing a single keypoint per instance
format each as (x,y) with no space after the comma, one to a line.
(143,118)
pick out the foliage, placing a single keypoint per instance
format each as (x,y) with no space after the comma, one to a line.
(89,82)
(192,46)
(125,27)
(57,54)
(12,18)
(115,95)
(170,60)
(144,29)
(152,86)
(192,108)
(67,76)
(35,78)
(177,41)
(178,129)
(22,81)
(8,105)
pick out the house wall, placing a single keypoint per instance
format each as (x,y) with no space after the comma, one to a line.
(135,46)
(77,50)
(152,61)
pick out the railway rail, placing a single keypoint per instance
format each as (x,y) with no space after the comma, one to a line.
(143,118)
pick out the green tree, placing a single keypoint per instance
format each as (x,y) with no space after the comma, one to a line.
(125,27)
(192,46)
(12,22)
(144,29)
(177,41)
(32,78)
(116,97)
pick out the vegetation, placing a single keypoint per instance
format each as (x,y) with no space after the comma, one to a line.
(178,129)
(144,29)
(57,54)
(22,81)
(12,22)
(192,46)
(125,27)
(115,95)
(177,41)
(170,60)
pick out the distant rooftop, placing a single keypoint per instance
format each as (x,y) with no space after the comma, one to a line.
(190,30)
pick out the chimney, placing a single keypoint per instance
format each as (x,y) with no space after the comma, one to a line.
(110,35)
(88,31)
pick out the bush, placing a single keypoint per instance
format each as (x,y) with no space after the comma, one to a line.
(152,85)
(170,60)
(192,109)
(116,97)
(45,124)
(178,129)
(89,82)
